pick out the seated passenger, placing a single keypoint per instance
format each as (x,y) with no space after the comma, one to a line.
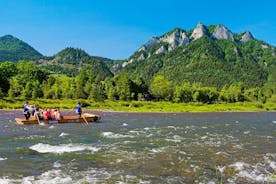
(32,109)
(47,115)
(58,114)
(54,114)
(37,114)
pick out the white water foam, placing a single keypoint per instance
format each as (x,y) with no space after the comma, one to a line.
(49,177)
(221,169)
(239,165)
(173,127)
(140,132)
(256,173)
(124,124)
(1,159)
(63,148)
(238,146)
(6,180)
(63,134)
(159,150)
(58,176)
(175,138)
(89,176)
(272,165)
(253,175)
(222,153)
(114,136)
(150,128)
(269,159)
(51,127)
(30,137)
(57,164)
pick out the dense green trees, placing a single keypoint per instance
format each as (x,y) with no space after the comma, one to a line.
(26,80)
(161,88)
(7,70)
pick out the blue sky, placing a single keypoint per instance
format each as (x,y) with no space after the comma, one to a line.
(117,28)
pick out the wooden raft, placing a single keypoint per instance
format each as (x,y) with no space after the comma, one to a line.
(85,118)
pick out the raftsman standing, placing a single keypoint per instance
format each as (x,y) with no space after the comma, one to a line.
(79,110)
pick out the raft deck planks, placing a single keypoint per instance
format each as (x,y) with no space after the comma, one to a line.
(66,119)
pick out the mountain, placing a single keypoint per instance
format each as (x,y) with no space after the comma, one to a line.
(221,32)
(70,61)
(199,31)
(13,49)
(212,55)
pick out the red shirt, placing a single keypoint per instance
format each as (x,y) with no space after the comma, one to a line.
(48,114)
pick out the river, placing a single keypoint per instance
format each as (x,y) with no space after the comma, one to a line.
(141,148)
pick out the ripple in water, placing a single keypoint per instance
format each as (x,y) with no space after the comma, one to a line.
(63,148)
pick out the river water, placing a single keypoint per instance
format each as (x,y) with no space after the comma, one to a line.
(141,148)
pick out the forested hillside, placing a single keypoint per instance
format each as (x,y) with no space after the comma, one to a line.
(13,49)
(206,60)
(71,61)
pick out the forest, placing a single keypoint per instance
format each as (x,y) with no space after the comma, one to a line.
(26,80)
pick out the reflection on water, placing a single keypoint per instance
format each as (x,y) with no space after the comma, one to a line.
(142,148)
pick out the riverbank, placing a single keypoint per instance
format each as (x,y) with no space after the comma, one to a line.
(140,106)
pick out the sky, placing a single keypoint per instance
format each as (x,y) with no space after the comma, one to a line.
(117,28)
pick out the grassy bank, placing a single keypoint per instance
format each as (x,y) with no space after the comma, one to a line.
(135,106)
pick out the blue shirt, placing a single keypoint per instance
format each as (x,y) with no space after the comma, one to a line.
(26,108)
(78,109)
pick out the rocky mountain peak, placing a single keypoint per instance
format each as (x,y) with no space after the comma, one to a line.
(246,37)
(177,38)
(168,42)
(199,31)
(221,32)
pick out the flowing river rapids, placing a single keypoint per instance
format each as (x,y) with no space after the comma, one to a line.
(141,148)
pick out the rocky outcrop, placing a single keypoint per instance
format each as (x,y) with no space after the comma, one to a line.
(142,57)
(151,43)
(246,37)
(264,46)
(117,67)
(221,32)
(176,38)
(162,49)
(143,48)
(199,31)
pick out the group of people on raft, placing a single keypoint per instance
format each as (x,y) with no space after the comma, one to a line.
(46,114)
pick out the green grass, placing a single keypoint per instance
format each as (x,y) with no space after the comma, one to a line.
(138,106)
